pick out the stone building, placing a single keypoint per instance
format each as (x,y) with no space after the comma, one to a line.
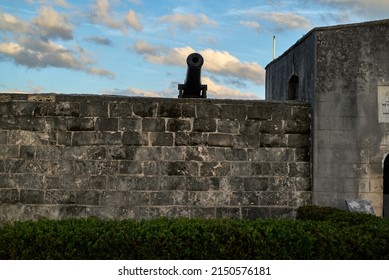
(343,71)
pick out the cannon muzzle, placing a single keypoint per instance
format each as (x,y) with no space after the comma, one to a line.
(192,88)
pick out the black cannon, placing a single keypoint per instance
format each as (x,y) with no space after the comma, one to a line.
(193,87)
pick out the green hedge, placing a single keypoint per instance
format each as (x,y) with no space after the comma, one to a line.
(194,239)
(342,217)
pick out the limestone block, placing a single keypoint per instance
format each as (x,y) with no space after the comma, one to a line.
(169,110)
(233,111)
(202,212)
(94,109)
(274,140)
(195,183)
(25,137)
(175,125)
(67,109)
(60,197)
(228,126)
(120,109)
(107,167)
(114,198)
(148,153)
(174,153)
(228,212)
(259,112)
(360,206)
(256,184)
(109,138)
(119,153)
(246,141)
(40,98)
(135,138)
(89,197)
(188,110)
(32,123)
(252,213)
(3,137)
(71,211)
(208,110)
(161,198)
(85,138)
(107,124)
(220,140)
(145,109)
(188,139)
(9,196)
(174,183)
(154,168)
(31,196)
(204,125)
(153,124)
(215,169)
(130,124)
(182,168)
(161,139)
(130,167)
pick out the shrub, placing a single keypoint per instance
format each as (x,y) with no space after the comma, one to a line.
(183,238)
(317,213)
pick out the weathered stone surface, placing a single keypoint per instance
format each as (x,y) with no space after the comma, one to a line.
(220,140)
(360,206)
(94,109)
(119,157)
(161,139)
(204,125)
(169,109)
(3,137)
(107,124)
(135,138)
(176,125)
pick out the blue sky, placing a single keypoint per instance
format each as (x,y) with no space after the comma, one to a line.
(139,47)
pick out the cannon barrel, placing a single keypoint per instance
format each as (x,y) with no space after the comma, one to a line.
(192,88)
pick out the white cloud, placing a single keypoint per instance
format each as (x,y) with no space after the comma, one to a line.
(52,24)
(41,54)
(219,62)
(48,24)
(215,90)
(224,63)
(251,24)
(103,14)
(371,7)
(31,45)
(287,20)
(60,3)
(10,23)
(187,21)
(136,2)
(220,91)
(137,92)
(99,40)
(133,21)
(142,47)
(279,20)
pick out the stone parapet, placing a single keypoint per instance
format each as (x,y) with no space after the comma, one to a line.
(127,157)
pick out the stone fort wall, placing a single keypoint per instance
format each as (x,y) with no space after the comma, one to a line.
(116,157)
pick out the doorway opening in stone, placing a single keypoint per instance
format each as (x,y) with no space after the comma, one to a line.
(386,188)
(293,86)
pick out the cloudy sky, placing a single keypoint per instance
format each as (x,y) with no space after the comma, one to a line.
(139,47)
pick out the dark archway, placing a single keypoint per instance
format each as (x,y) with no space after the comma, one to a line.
(293,86)
(386,187)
